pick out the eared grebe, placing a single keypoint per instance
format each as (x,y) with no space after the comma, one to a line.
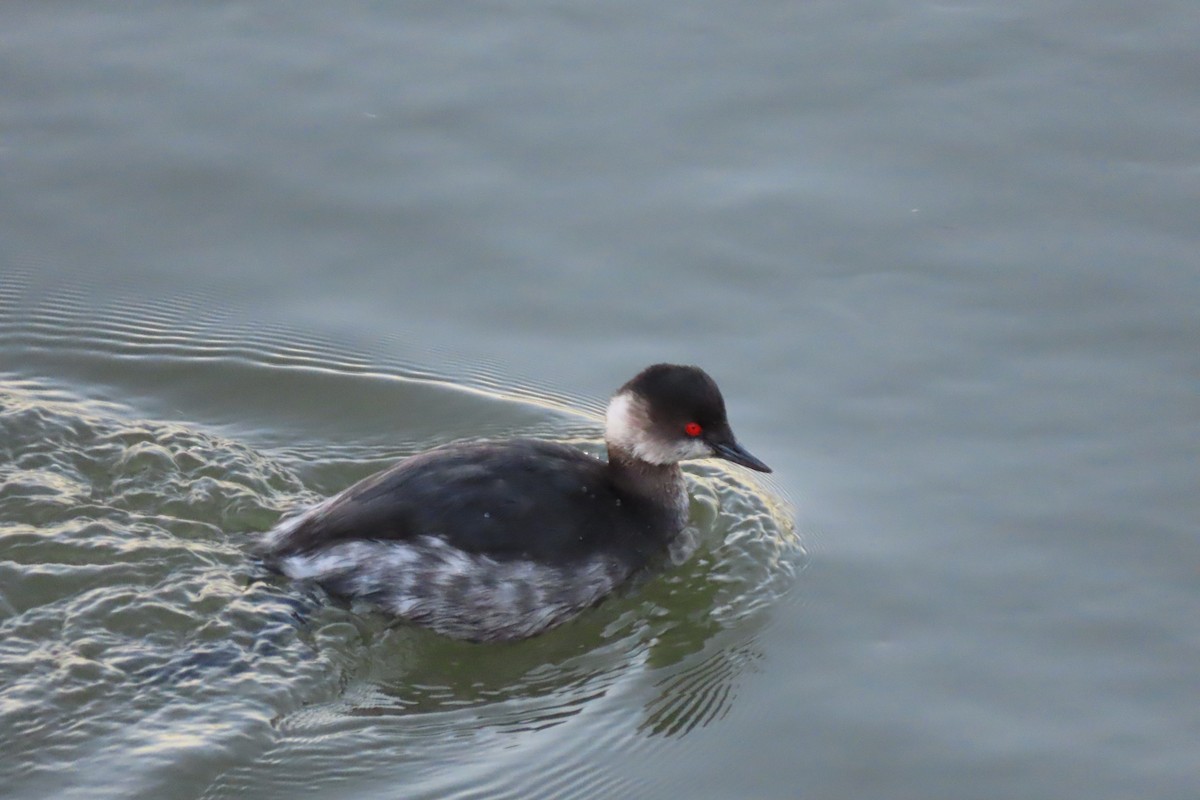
(499,541)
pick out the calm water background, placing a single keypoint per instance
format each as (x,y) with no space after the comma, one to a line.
(942,257)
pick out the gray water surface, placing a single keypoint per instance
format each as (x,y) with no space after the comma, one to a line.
(942,259)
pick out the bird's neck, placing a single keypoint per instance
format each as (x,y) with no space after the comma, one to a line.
(661,484)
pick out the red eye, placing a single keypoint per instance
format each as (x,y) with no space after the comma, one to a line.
(692,429)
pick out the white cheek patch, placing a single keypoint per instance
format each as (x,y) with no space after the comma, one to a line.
(628,427)
(680,450)
(624,421)
(695,448)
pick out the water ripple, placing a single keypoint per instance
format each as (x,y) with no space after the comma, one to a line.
(142,648)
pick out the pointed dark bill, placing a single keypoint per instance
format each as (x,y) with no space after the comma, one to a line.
(732,451)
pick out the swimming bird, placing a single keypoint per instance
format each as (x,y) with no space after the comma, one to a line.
(496,541)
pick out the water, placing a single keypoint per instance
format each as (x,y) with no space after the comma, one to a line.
(147,650)
(940,257)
